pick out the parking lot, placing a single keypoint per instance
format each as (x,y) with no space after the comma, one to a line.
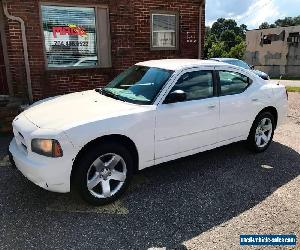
(200,202)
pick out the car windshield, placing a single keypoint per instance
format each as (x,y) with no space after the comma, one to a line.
(138,84)
(238,63)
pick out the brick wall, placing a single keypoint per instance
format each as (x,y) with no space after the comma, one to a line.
(130,40)
(3,83)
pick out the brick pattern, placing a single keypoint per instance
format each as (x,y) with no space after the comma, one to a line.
(3,83)
(7,114)
(130,39)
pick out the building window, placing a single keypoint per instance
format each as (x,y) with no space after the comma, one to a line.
(164,30)
(293,37)
(76,36)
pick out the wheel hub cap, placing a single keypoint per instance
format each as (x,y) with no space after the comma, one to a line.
(106,175)
(263,132)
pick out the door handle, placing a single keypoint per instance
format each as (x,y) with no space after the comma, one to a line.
(212,106)
(254,99)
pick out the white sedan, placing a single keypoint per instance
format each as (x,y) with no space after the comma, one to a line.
(154,112)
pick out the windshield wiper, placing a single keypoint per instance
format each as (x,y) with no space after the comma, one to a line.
(103,91)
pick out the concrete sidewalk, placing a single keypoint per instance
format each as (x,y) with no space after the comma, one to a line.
(291,83)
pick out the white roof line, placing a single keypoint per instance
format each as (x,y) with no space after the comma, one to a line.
(176,64)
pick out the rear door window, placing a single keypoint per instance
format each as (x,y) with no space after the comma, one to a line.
(232,83)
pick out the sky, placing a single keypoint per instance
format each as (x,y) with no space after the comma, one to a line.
(251,12)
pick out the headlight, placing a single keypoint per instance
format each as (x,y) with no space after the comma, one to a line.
(46,147)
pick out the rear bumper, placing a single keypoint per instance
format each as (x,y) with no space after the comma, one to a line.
(282,113)
(50,174)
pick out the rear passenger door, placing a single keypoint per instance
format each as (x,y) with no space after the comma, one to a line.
(235,105)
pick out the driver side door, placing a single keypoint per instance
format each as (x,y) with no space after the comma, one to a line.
(190,126)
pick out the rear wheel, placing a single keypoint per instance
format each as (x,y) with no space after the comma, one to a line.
(261,133)
(103,173)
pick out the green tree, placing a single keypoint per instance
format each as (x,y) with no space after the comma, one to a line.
(209,41)
(264,25)
(222,25)
(217,50)
(285,22)
(288,21)
(224,39)
(230,39)
(238,51)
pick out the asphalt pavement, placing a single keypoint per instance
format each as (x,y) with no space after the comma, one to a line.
(200,202)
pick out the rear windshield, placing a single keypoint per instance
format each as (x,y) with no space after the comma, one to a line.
(238,63)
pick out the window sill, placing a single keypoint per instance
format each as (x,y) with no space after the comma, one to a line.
(163,48)
(79,70)
(76,68)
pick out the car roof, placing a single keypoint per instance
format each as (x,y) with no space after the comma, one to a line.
(224,59)
(178,64)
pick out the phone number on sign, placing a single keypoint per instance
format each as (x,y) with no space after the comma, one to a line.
(71,43)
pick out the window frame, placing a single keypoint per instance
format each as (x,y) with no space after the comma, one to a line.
(166,13)
(97,7)
(217,72)
(174,81)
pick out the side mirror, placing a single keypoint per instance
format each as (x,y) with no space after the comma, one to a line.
(252,67)
(175,96)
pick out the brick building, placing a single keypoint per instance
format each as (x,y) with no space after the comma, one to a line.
(60,46)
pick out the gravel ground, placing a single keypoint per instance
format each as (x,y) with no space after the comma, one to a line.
(201,202)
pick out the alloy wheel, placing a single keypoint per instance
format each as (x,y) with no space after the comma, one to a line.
(263,132)
(106,175)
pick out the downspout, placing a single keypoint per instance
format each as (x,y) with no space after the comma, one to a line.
(25,49)
(202,5)
(5,56)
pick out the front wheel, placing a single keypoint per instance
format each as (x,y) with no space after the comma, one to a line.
(103,173)
(261,133)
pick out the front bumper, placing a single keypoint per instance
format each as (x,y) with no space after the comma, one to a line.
(50,174)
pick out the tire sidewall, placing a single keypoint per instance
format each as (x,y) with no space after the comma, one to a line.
(80,176)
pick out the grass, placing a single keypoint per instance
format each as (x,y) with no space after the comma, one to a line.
(287,78)
(293,89)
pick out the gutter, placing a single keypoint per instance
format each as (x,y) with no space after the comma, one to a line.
(5,56)
(25,49)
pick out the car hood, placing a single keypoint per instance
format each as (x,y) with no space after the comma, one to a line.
(75,109)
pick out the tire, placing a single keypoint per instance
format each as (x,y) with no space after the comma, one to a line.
(261,133)
(103,173)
